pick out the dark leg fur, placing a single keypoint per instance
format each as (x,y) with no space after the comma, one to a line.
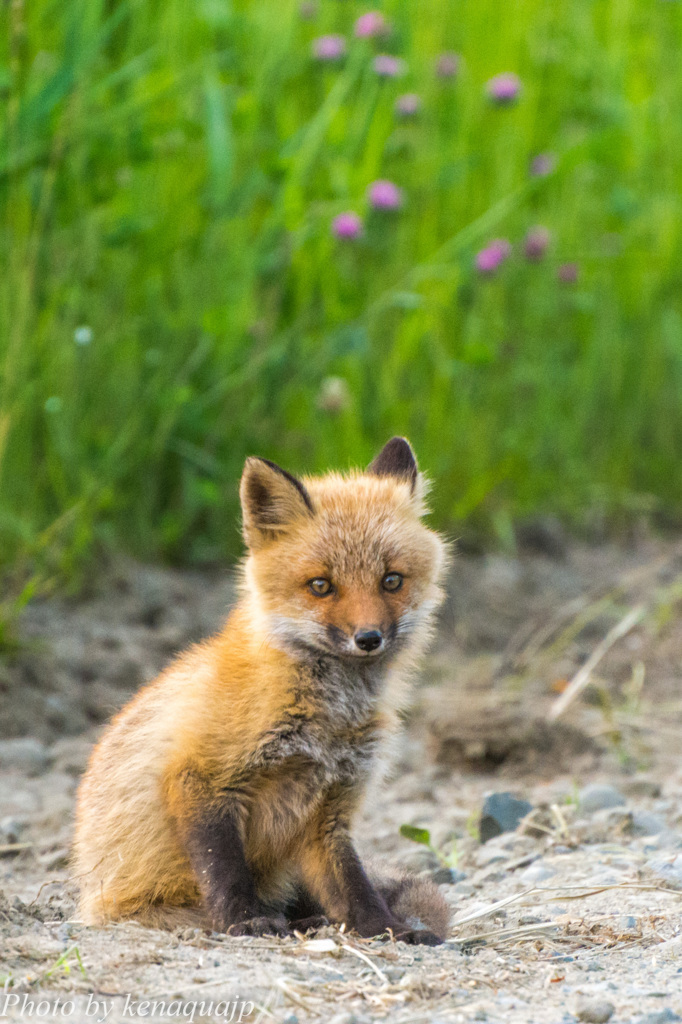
(369,912)
(216,853)
(305,913)
(333,873)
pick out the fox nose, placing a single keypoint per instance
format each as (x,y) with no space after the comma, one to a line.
(368,639)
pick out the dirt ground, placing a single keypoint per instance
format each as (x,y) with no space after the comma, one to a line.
(573,915)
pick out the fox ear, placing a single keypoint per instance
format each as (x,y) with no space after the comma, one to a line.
(397,459)
(271,500)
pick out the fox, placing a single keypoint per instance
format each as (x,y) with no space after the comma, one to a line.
(225,793)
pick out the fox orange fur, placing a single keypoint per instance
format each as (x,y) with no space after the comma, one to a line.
(225,792)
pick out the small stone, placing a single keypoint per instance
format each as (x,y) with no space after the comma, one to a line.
(345,1017)
(11,829)
(447,876)
(290,1018)
(598,797)
(501,812)
(667,869)
(644,823)
(666,1016)
(594,1011)
(626,924)
(26,755)
(465,889)
(537,873)
(489,854)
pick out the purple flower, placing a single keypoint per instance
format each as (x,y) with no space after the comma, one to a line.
(387,66)
(536,243)
(542,165)
(408,104)
(504,88)
(494,254)
(384,195)
(447,65)
(329,47)
(347,225)
(568,273)
(371,24)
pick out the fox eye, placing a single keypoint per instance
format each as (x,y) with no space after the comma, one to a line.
(320,586)
(392,581)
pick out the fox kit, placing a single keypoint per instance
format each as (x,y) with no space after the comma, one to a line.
(224,793)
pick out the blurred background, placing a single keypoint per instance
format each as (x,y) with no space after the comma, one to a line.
(295,229)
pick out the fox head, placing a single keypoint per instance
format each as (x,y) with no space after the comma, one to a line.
(342,565)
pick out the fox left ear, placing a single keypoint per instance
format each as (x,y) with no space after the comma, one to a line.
(271,499)
(396,458)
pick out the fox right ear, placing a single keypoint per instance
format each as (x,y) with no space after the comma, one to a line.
(397,459)
(271,500)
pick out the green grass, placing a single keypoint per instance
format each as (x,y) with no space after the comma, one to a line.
(168,175)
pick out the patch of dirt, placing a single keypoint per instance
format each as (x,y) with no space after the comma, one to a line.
(593,890)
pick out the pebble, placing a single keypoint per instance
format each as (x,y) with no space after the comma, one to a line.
(345,1017)
(626,924)
(501,812)
(594,1011)
(597,797)
(644,823)
(26,755)
(465,889)
(536,873)
(11,829)
(666,1016)
(668,869)
(489,854)
(447,876)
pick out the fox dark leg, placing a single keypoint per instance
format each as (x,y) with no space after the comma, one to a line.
(335,876)
(214,845)
(304,912)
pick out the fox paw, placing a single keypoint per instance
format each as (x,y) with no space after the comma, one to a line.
(418,937)
(260,926)
(309,924)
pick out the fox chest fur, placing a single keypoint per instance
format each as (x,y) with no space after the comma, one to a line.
(326,740)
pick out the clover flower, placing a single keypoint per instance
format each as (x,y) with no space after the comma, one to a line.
(408,104)
(542,165)
(494,254)
(447,65)
(329,47)
(385,195)
(568,273)
(536,243)
(371,24)
(504,88)
(347,225)
(387,66)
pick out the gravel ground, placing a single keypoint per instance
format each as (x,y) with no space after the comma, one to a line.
(573,915)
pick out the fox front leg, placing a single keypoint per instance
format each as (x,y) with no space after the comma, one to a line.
(210,834)
(333,872)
